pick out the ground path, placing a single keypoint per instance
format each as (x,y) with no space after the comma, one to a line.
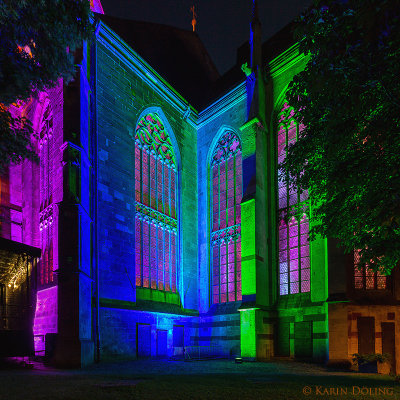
(212,379)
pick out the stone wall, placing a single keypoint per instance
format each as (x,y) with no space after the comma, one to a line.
(122,97)
(343,329)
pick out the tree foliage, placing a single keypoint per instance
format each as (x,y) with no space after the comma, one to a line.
(348,98)
(38,39)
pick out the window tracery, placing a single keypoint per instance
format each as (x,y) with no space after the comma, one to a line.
(156,220)
(226,175)
(294,249)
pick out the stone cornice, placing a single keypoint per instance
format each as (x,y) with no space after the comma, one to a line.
(285,61)
(224,103)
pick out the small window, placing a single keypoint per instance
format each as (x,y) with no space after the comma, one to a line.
(365,278)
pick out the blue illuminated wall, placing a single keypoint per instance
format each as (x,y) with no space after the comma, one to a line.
(219,325)
(123,94)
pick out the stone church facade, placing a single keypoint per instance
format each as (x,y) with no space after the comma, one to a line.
(160,219)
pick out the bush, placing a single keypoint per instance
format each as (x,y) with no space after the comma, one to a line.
(361,359)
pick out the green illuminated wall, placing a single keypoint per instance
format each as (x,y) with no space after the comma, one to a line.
(248,335)
(248,248)
(300,321)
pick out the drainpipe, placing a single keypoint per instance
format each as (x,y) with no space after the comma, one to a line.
(94,185)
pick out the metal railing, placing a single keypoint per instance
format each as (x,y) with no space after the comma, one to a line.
(202,352)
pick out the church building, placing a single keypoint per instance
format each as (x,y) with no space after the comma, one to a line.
(153,224)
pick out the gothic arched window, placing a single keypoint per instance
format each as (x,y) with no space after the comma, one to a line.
(294,249)
(226,172)
(156,214)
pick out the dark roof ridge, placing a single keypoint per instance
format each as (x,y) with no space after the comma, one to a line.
(135,21)
(178,55)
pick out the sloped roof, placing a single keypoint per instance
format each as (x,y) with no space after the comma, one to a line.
(177,55)
(271,48)
(180,57)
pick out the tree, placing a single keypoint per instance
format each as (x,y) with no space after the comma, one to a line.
(348,98)
(38,39)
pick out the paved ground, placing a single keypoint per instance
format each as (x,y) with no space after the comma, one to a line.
(214,379)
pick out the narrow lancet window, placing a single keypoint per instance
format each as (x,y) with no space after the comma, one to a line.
(226,192)
(294,249)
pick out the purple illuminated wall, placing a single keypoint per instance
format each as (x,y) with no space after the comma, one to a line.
(226,173)
(45,317)
(32,188)
(18,193)
(294,249)
(46,114)
(29,202)
(95,6)
(15,172)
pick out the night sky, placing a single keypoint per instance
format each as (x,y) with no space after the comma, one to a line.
(223,25)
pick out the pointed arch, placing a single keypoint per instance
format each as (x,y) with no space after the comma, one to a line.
(157,163)
(43,124)
(37,108)
(167,126)
(225,166)
(221,132)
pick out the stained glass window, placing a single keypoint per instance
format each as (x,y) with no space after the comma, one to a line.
(156,216)
(226,192)
(365,278)
(294,249)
